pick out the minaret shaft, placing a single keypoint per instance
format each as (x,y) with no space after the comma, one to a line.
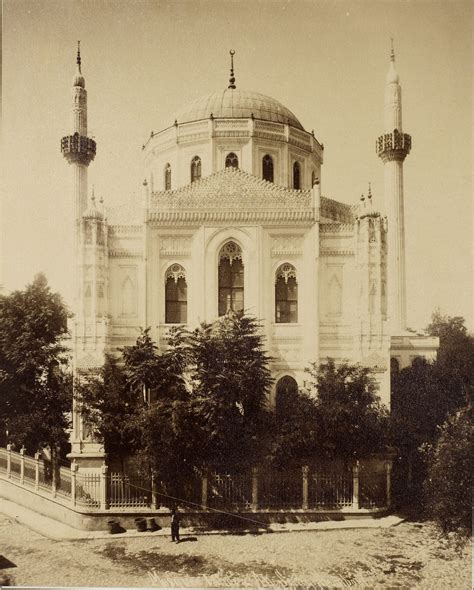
(393,147)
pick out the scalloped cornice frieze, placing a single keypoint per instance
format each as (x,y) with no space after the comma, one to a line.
(124,254)
(336,228)
(195,217)
(286,245)
(335,252)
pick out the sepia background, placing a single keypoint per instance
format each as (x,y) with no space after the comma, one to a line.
(326,61)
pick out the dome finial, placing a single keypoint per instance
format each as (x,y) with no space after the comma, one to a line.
(78,59)
(392,52)
(232,77)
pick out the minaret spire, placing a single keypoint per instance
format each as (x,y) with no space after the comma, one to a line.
(392,148)
(232,77)
(392,52)
(78,59)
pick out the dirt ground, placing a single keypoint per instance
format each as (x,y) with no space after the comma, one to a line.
(405,556)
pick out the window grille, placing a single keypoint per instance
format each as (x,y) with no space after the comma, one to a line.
(176,295)
(231,279)
(231,161)
(267,168)
(286,295)
(195,168)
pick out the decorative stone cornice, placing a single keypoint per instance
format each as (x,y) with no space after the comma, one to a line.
(336,211)
(332,252)
(393,146)
(124,254)
(336,228)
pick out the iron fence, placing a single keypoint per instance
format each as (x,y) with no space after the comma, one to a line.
(372,490)
(330,490)
(129,492)
(29,471)
(63,482)
(3,459)
(280,489)
(227,490)
(88,489)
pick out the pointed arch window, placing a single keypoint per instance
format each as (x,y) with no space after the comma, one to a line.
(195,168)
(231,279)
(296,175)
(267,168)
(176,295)
(286,391)
(286,295)
(231,161)
(167,177)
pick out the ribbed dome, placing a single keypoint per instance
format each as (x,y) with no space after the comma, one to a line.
(237,104)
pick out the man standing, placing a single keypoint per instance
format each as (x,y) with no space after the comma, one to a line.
(174,525)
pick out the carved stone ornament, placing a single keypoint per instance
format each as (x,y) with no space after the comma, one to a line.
(175,272)
(286,271)
(289,245)
(231,251)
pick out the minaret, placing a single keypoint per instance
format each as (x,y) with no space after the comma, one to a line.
(392,147)
(78,149)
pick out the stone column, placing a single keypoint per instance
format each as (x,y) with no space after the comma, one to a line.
(355,486)
(73,482)
(9,461)
(22,465)
(104,488)
(305,471)
(154,493)
(388,473)
(204,489)
(37,467)
(255,488)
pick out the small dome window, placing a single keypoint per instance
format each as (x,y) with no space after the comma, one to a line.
(267,168)
(195,168)
(167,177)
(296,176)
(231,161)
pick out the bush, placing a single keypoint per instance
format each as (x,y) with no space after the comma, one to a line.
(448,487)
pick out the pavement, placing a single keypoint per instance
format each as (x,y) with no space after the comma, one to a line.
(54,529)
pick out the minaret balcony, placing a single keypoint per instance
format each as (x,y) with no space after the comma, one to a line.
(393,146)
(78,149)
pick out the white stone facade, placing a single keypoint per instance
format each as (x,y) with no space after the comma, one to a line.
(209,184)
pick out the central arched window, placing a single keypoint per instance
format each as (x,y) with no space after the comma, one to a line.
(286,391)
(286,295)
(231,161)
(195,168)
(267,168)
(176,295)
(296,175)
(231,279)
(167,177)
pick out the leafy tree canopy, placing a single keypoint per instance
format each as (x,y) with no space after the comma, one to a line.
(35,387)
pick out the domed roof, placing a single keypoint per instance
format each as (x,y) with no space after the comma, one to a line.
(234,103)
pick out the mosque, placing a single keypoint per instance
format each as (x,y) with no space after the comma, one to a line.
(232,217)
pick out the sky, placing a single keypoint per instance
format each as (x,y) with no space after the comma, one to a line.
(325,60)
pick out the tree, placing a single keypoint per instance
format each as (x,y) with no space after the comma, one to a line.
(352,421)
(449,482)
(111,408)
(230,383)
(424,395)
(35,385)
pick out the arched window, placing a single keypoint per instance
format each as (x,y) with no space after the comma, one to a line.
(286,295)
(195,168)
(231,279)
(232,161)
(167,177)
(296,175)
(267,168)
(176,295)
(286,391)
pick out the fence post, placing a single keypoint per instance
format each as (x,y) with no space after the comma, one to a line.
(355,486)
(154,493)
(104,496)
(388,473)
(22,465)
(9,461)
(305,487)
(204,483)
(37,470)
(53,476)
(255,488)
(73,482)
